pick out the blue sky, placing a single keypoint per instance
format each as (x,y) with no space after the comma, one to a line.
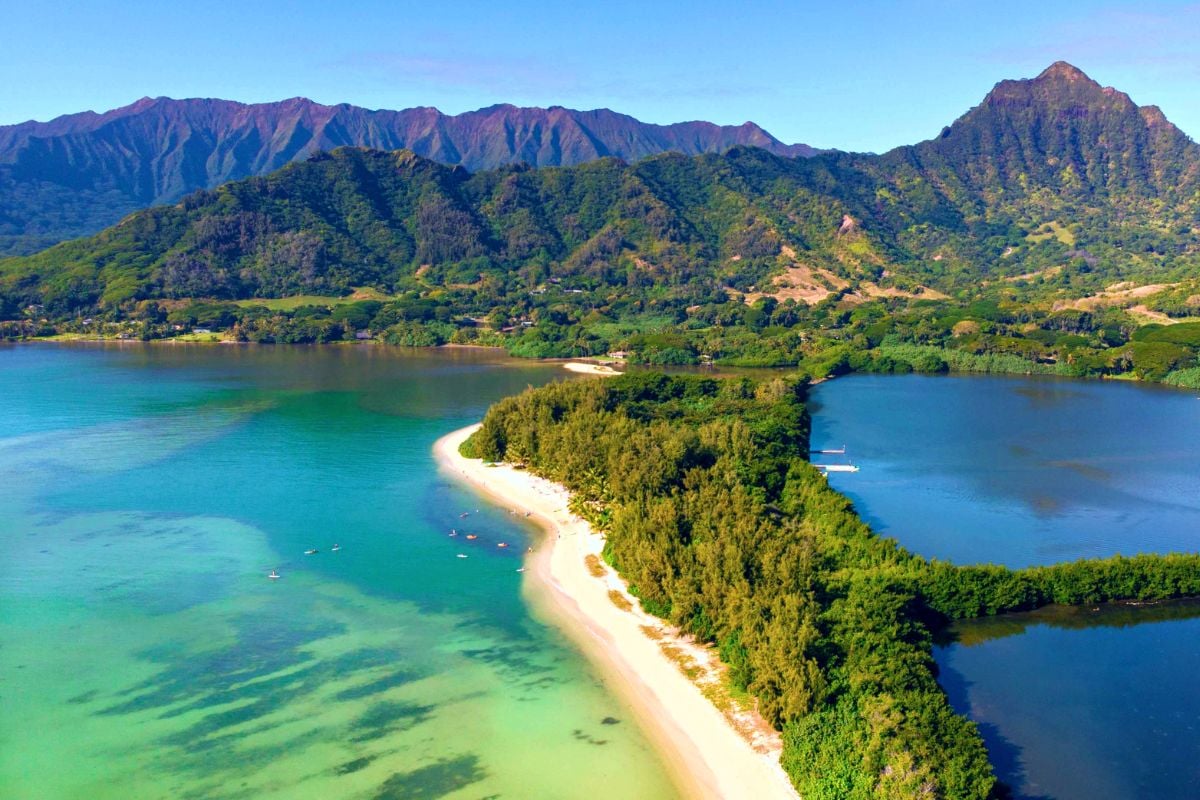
(854,75)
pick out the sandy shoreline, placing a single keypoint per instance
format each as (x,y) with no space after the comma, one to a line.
(707,756)
(588,368)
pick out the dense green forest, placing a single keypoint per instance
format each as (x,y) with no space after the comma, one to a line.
(1037,233)
(718,522)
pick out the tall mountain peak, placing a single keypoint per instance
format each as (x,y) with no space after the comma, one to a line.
(1063,71)
(1064,131)
(1060,84)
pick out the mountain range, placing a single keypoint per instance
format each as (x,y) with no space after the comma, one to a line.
(1046,172)
(82,172)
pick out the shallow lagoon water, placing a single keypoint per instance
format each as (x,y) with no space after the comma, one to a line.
(149,489)
(1072,703)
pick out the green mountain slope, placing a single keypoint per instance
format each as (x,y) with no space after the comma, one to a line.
(80,173)
(1054,177)
(361,217)
(1057,150)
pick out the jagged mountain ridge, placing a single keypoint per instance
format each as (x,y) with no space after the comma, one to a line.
(1054,150)
(81,172)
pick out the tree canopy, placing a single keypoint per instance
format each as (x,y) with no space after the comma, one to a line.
(720,525)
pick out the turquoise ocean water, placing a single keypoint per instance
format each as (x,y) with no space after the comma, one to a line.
(146,493)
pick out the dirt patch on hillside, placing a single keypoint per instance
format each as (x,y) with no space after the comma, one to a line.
(868,289)
(1028,276)
(1114,295)
(800,283)
(807,285)
(1147,315)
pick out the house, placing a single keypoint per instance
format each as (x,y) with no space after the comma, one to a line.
(362,335)
(201,330)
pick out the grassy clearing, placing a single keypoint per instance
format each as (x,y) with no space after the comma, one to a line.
(652,633)
(196,337)
(680,658)
(619,600)
(74,337)
(1052,230)
(595,566)
(292,303)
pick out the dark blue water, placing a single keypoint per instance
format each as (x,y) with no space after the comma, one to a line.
(1073,704)
(1017,471)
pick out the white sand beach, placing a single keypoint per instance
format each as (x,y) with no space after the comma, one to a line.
(711,753)
(588,368)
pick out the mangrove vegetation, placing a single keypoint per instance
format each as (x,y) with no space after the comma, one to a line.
(720,525)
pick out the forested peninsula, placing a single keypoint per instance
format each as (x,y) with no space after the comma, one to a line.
(720,525)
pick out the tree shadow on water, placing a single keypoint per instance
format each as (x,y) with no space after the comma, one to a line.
(1004,754)
(1010,767)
